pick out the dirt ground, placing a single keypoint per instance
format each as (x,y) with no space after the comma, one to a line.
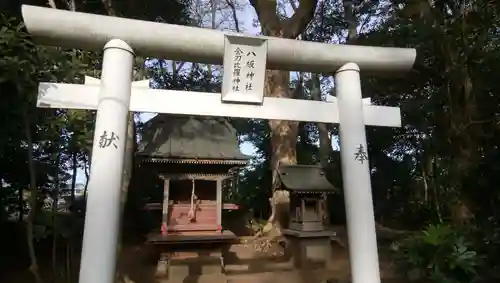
(252,261)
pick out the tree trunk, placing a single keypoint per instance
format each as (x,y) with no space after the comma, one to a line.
(74,163)
(325,143)
(69,262)
(55,199)
(325,146)
(86,170)
(283,144)
(283,133)
(72,208)
(21,204)
(33,201)
(463,131)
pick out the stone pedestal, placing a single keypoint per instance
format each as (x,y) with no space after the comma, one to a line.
(184,258)
(309,249)
(187,264)
(182,266)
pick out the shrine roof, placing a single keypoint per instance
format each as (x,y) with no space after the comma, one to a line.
(188,139)
(304,178)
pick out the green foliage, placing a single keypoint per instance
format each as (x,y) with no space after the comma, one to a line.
(446,152)
(61,140)
(439,254)
(7,202)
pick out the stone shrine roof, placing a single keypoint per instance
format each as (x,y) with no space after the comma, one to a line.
(188,139)
(305,178)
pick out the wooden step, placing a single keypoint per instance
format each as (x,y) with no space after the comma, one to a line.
(187,270)
(263,277)
(196,255)
(221,278)
(177,222)
(279,277)
(159,206)
(193,227)
(257,267)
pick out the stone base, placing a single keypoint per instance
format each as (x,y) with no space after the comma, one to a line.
(197,279)
(309,249)
(179,266)
(191,256)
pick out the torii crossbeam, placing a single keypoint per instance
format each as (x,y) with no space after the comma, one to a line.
(116,95)
(74,96)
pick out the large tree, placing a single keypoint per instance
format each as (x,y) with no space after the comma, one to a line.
(283,133)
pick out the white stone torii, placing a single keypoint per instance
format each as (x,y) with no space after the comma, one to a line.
(116,95)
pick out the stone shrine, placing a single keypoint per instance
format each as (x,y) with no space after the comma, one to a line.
(309,239)
(196,160)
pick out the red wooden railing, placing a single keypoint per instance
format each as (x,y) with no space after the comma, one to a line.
(178,219)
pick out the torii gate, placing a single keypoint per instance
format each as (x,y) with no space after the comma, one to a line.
(116,96)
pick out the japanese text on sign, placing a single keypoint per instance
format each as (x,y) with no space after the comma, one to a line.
(360,154)
(107,139)
(243,69)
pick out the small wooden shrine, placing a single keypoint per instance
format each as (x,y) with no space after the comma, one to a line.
(310,239)
(196,160)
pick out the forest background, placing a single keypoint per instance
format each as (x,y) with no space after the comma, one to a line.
(435,178)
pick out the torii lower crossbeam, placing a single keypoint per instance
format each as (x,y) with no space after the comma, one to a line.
(74,96)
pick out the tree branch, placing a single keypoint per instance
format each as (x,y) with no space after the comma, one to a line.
(52,4)
(266,12)
(294,6)
(213,12)
(71,5)
(351,20)
(235,17)
(296,24)
(108,5)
